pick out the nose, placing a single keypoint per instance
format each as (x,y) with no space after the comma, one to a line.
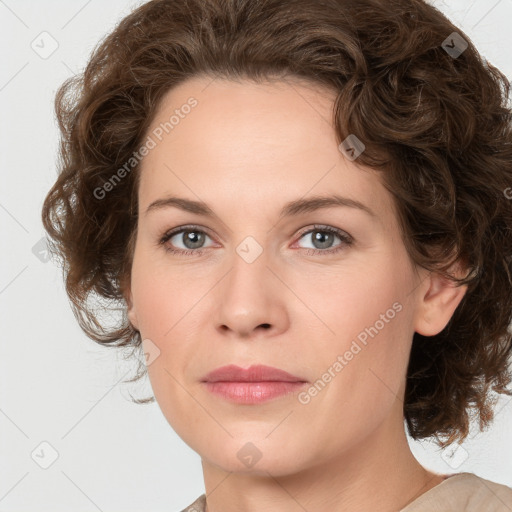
(251,300)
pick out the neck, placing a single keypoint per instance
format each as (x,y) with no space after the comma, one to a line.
(378,473)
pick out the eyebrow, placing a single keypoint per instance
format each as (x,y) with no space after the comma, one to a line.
(293,208)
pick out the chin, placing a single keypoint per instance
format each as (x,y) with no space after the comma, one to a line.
(254,458)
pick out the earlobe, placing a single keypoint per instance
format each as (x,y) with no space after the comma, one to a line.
(437,304)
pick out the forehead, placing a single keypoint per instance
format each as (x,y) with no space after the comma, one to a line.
(246,115)
(251,142)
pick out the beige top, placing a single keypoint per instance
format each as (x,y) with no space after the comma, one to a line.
(462,492)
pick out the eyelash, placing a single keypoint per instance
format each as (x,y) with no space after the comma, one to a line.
(346,240)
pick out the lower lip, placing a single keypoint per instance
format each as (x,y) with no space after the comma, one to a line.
(253,392)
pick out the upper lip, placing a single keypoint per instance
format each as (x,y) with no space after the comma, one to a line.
(255,373)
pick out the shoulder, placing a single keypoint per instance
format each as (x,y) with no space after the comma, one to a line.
(464,492)
(197,506)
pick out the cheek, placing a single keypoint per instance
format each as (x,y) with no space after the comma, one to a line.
(363,303)
(359,384)
(164,309)
(156,296)
(362,359)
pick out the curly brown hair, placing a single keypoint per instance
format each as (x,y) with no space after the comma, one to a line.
(432,113)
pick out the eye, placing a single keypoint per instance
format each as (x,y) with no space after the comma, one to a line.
(322,242)
(193,238)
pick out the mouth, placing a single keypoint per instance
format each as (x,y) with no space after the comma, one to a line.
(253,385)
(255,373)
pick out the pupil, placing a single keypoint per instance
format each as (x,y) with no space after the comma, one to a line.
(321,234)
(190,236)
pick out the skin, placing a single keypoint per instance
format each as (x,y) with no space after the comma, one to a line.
(246,150)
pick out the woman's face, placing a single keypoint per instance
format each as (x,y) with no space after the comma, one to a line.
(257,287)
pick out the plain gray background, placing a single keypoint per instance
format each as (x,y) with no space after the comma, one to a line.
(61,388)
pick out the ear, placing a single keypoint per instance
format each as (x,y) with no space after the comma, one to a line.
(126,280)
(438,299)
(132,313)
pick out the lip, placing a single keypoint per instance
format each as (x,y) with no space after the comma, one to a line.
(254,385)
(255,373)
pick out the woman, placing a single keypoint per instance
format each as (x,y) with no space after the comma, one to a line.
(205,144)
